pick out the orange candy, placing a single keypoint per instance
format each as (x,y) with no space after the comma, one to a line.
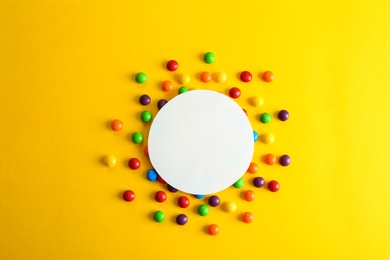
(249,195)
(213,229)
(270,159)
(268,76)
(205,76)
(167,86)
(253,168)
(116,125)
(248,217)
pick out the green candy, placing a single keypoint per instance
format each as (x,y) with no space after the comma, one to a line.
(209,57)
(203,210)
(239,184)
(159,216)
(183,89)
(141,77)
(265,118)
(137,137)
(146,116)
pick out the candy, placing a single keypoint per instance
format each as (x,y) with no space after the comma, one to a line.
(144,100)
(246,76)
(183,89)
(273,186)
(205,76)
(160,196)
(116,125)
(152,175)
(220,77)
(159,216)
(146,151)
(137,138)
(198,196)
(257,101)
(161,180)
(234,92)
(285,160)
(172,65)
(141,78)
(203,210)
(249,195)
(253,168)
(283,115)
(258,182)
(166,86)
(184,79)
(128,195)
(214,201)
(246,112)
(247,217)
(230,207)
(181,219)
(209,57)
(255,136)
(146,116)
(134,163)
(239,183)
(109,160)
(268,76)
(161,103)
(269,138)
(265,118)
(171,189)
(213,229)
(183,202)
(270,159)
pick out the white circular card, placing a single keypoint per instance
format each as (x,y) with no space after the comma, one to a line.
(201,142)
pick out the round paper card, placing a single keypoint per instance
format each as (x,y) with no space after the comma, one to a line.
(201,142)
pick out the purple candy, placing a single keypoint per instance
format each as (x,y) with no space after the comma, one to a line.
(214,201)
(171,189)
(181,219)
(283,115)
(258,182)
(284,160)
(144,100)
(161,103)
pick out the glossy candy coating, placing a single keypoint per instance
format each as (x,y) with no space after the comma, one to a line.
(283,115)
(285,160)
(161,103)
(248,217)
(166,86)
(171,189)
(269,138)
(205,76)
(203,210)
(213,229)
(184,79)
(270,159)
(214,201)
(134,163)
(181,219)
(146,116)
(198,196)
(273,186)
(128,195)
(257,101)
(220,77)
(159,216)
(230,207)
(116,125)
(172,65)
(152,175)
(246,76)
(141,78)
(253,168)
(110,160)
(209,57)
(255,136)
(160,196)
(239,183)
(144,100)
(258,182)
(183,89)
(268,76)
(265,118)
(249,195)
(183,202)
(234,92)
(137,138)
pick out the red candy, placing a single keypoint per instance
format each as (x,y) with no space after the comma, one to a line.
(128,195)
(160,196)
(235,92)
(246,76)
(246,113)
(116,125)
(172,65)
(146,151)
(134,163)
(161,180)
(273,186)
(183,202)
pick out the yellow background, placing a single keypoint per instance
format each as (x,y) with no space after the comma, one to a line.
(67,68)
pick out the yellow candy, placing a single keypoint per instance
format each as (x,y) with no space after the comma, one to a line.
(269,138)
(220,77)
(230,207)
(184,79)
(110,160)
(257,101)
